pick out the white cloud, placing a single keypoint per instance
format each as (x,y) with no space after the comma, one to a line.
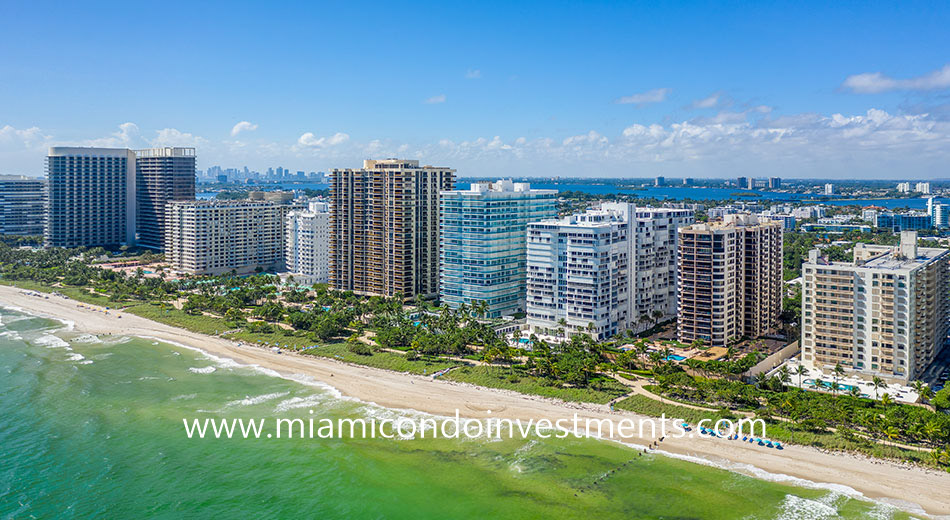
(126,137)
(651,96)
(243,126)
(876,82)
(709,102)
(434,100)
(473,74)
(9,134)
(309,140)
(872,144)
(175,137)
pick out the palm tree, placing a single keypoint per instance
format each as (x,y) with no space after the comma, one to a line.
(801,371)
(886,400)
(784,376)
(877,383)
(891,432)
(563,328)
(838,371)
(924,393)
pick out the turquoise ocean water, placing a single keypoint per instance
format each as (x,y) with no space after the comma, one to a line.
(91,427)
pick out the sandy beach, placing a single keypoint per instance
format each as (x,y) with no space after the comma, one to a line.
(890,482)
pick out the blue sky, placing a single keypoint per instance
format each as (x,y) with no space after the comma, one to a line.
(795,89)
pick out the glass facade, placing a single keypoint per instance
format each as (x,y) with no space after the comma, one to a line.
(483,243)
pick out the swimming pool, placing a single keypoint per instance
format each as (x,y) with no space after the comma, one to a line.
(675,357)
(827,384)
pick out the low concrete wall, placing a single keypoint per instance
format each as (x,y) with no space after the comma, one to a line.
(774,360)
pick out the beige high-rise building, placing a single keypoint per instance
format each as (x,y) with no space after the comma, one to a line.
(885,314)
(384,227)
(730,279)
(217,237)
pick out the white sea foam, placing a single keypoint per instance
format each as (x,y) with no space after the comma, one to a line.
(202,370)
(838,491)
(75,356)
(250,401)
(11,334)
(301,402)
(185,397)
(51,341)
(798,508)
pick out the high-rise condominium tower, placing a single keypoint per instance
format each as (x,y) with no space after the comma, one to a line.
(730,279)
(603,271)
(578,275)
(22,205)
(217,237)
(885,314)
(162,175)
(91,197)
(384,227)
(653,265)
(483,243)
(308,243)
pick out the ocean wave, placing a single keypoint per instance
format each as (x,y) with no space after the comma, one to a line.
(75,356)
(795,507)
(202,370)
(251,401)
(300,402)
(184,397)
(51,341)
(11,334)
(838,491)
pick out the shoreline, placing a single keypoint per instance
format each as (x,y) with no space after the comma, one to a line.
(899,485)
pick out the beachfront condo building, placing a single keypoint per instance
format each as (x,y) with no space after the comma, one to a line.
(91,197)
(308,243)
(483,248)
(653,280)
(384,227)
(162,175)
(216,237)
(22,205)
(885,314)
(610,269)
(730,279)
(578,275)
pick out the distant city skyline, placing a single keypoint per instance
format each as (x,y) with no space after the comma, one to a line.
(811,90)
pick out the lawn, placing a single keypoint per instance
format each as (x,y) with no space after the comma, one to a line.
(76,293)
(644,405)
(177,318)
(498,377)
(384,360)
